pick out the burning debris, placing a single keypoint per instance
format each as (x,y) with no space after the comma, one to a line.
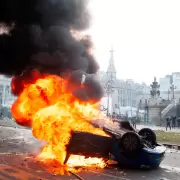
(61,95)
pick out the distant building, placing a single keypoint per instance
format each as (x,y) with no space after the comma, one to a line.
(176,80)
(124,93)
(143,95)
(165,83)
(6,97)
(170,87)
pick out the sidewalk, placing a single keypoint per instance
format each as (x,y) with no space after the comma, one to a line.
(140,126)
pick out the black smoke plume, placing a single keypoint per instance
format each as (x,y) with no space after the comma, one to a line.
(40,37)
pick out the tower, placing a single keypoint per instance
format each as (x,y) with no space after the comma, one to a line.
(111,71)
(111,79)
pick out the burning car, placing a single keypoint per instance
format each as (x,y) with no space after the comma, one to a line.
(127,146)
(76,132)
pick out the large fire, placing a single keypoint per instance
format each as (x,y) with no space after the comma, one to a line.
(46,104)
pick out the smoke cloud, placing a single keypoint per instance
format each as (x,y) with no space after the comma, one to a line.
(40,37)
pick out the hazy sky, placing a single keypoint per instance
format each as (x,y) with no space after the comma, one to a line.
(145,35)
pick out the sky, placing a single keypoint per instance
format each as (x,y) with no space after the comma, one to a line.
(145,35)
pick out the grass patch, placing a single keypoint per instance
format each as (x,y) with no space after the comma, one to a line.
(168,137)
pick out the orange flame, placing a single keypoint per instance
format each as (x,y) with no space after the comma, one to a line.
(48,106)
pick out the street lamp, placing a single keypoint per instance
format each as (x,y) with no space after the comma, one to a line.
(109,91)
(119,100)
(168,94)
(172,89)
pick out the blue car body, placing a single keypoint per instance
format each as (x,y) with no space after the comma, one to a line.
(148,154)
(146,157)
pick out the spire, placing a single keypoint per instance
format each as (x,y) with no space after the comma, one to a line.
(111,71)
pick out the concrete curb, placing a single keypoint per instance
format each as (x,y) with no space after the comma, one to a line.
(172,146)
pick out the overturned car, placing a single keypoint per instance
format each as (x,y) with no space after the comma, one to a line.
(129,147)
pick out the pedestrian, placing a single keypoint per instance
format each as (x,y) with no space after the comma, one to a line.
(178,122)
(168,123)
(134,122)
(109,115)
(174,122)
(113,116)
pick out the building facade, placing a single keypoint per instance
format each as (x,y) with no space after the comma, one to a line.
(170,87)
(165,83)
(176,80)
(142,95)
(6,97)
(124,93)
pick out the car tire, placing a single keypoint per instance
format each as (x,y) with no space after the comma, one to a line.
(130,143)
(148,134)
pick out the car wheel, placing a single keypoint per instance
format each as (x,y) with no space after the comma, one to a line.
(130,143)
(148,134)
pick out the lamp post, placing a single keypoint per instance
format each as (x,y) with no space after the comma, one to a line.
(172,89)
(168,94)
(109,91)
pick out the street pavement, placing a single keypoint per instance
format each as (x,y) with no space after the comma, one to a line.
(18,163)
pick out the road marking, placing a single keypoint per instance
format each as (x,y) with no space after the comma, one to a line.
(14,173)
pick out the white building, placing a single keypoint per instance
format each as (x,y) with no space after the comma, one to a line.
(143,95)
(176,80)
(165,83)
(166,90)
(124,93)
(6,97)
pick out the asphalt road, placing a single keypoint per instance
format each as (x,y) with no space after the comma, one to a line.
(17,164)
